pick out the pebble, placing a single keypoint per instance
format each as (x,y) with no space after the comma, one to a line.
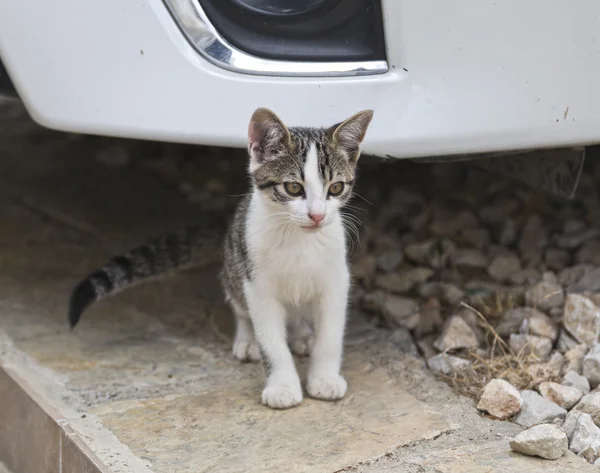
(574,358)
(530,345)
(585,434)
(525,276)
(539,324)
(448,293)
(582,319)
(564,396)
(511,320)
(592,452)
(499,212)
(574,379)
(425,252)
(448,224)
(446,364)
(403,281)
(389,260)
(534,235)
(557,259)
(431,317)
(401,311)
(373,301)
(590,404)
(537,410)
(565,342)
(575,238)
(457,334)
(500,399)
(545,296)
(570,276)
(503,267)
(508,234)
(425,346)
(469,258)
(363,269)
(591,366)
(477,237)
(545,441)
(570,423)
(590,281)
(589,253)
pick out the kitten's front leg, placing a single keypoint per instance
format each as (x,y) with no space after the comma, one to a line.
(283,388)
(324,379)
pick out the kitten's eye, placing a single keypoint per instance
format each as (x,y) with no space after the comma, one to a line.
(336,189)
(293,188)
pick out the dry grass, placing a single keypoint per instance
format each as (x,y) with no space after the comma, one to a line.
(522,370)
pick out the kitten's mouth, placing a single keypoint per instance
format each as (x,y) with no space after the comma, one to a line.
(311,227)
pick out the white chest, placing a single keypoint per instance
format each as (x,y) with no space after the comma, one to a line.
(296,266)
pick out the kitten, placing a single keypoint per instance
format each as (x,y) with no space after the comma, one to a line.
(285,272)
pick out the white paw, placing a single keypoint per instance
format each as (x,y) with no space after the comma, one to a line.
(302,346)
(281,396)
(245,350)
(326,387)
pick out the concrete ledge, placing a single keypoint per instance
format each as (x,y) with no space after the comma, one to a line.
(32,439)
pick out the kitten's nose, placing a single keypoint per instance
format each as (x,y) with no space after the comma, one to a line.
(316,217)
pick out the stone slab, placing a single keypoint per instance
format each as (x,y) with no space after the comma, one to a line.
(496,457)
(226,430)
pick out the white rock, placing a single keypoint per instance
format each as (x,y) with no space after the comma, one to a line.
(585,433)
(549,369)
(592,452)
(541,325)
(565,341)
(591,366)
(457,334)
(545,296)
(575,380)
(590,404)
(570,423)
(512,319)
(446,364)
(530,345)
(546,441)
(582,319)
(537,410)
(574,358)
(564,396)
(500,399)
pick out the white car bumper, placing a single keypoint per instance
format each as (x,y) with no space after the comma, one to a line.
(464,76)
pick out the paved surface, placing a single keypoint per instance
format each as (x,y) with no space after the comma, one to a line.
(147,379)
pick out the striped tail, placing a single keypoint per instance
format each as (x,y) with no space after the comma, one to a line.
(169,254)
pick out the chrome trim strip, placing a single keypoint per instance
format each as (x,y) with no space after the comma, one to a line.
(198,30)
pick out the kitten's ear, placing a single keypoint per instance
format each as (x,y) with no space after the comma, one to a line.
(267,136)
(348,135)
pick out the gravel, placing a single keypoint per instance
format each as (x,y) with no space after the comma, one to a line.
(493,281)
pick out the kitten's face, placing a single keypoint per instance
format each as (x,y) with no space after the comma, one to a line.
(307,174)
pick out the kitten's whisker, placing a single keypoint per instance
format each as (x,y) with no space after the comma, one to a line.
(358,195)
